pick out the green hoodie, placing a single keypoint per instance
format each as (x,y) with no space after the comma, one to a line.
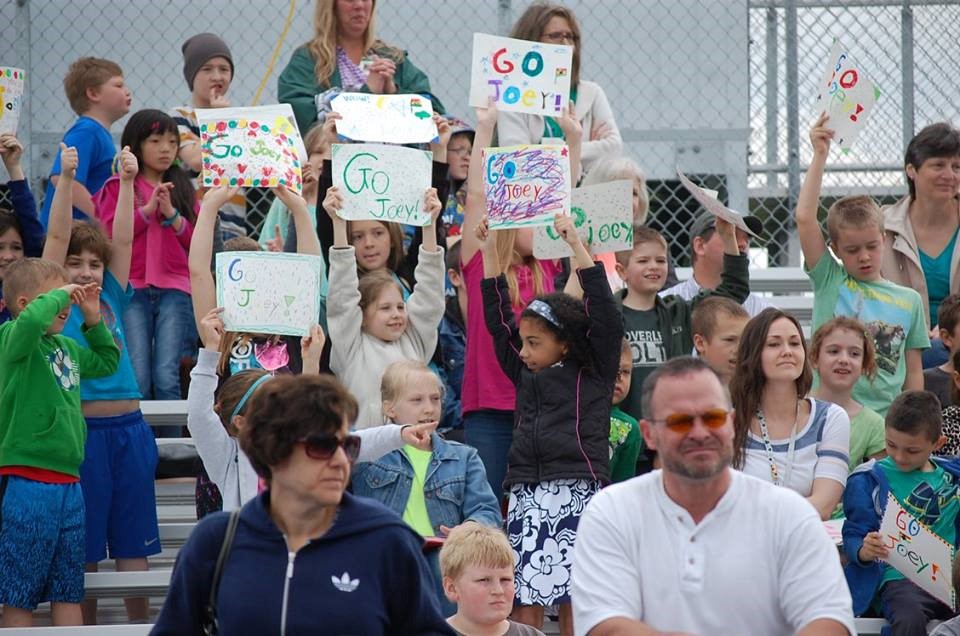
(41,424)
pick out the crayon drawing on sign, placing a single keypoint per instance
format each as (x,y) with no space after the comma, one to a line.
(397,119)
(11,98)
(269,292)
(603,216)
(847,95)
(525,185)
(382,183)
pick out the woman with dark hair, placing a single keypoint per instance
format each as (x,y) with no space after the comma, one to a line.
(780,434)
(556,24)
(920,247)
(307,557)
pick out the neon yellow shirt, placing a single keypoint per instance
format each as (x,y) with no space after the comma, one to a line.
(415,514)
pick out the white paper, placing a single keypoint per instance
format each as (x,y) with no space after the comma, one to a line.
(916,552)
(11,98)
(382,183)
(397,119)
(519,75)
(603,216)
(847,95)
(713,205)
(525,185)
(269,292)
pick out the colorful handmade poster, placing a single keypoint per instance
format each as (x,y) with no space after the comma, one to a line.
(847,95)
(519,75)
(256,146)
(916,552)
(382,183)
(713,205)
(526,185)
(269,292)
(395,119)
(603,216)
(11,96)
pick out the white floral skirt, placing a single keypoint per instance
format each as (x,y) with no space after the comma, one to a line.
(542,524)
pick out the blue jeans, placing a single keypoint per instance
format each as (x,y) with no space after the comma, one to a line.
(491,433)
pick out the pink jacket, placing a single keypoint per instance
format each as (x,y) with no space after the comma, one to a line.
(159,253)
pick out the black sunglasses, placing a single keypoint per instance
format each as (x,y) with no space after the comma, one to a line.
(324,446)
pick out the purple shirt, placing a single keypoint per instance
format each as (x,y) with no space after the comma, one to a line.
(351,75)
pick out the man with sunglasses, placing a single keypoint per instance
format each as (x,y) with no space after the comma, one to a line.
(698,548)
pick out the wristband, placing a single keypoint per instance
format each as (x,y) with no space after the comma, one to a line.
(172,219)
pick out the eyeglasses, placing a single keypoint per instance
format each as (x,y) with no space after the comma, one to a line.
(683,422)
(561,36)
(325,446)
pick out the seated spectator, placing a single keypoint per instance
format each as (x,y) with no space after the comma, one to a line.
(20,231)
(452,342)
(939,379)
(716,325)
(951,414)
(625,440)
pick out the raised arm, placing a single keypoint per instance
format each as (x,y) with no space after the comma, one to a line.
(307,241)
(121,244)
(203,288)
(573,133)
(24,205)
(60,222)
(475,207)
(808,228)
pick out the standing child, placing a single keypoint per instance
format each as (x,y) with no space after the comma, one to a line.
(717,324)
(41,439)
(625,439)
(939,380)
(893,314)
(563,359)
(98,94)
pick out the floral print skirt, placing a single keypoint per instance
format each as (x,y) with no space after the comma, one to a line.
(542,526)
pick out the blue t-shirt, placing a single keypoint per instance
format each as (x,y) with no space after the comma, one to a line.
(96,152)
(122,385)
(936,269)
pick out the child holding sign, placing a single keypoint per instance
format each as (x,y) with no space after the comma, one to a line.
(924,486)
(20,231)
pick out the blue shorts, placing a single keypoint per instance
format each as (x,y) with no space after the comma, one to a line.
(117,476)
(41,542)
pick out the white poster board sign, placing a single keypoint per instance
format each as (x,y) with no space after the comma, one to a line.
(11,98)
(603,216)
(847,95)
(713,205)
(269,292)
(396,119)
(382,183)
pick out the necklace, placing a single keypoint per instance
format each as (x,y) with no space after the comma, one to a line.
(768,447)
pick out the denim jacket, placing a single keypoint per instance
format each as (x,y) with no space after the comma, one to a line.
(455,488)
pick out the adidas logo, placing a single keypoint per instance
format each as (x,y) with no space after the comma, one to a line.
(345,583)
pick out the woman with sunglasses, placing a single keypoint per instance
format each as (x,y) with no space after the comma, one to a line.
(555,24)
(307,557)
(780,434)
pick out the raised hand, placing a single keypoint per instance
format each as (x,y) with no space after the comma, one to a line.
(11,150)
(69,160)
(820,135)
(311,345)
(275,244)
(487,117)
(330,127)
(90,303)
(127,165)
(333,203)
(444,129)
(565,227)
(431,203)
(212,329)
(216,197)
(569,124)
(484,235)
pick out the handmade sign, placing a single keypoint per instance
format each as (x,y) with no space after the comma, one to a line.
(11,95)
(918,553)
(382,183)
(713,205)
(603,216)
(834,528)
(397,119)
(269,292)
(847,95)
(251,146)
(526,185)
(519,75)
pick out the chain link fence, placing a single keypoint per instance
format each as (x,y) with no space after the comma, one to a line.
(722,89)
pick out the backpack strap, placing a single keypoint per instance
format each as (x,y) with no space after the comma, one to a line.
(211,625)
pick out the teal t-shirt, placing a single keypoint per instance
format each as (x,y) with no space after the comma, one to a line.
(892,313)
(936,269)
(415,513)
(932,498)
(866,436)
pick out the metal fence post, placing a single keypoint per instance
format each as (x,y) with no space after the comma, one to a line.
(793,132)
(906,69)
(773,132)
(25,126)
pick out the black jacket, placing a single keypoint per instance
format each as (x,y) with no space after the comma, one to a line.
(562,414)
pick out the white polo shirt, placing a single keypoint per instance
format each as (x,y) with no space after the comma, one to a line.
(758,563)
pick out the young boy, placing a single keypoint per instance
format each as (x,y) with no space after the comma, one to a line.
(625,440)
(41,439)
(926,487)
(854,287)
(939,380)
(452,344)
(121,454)
(716,326)
(477,567)
(99,96)
(658,328)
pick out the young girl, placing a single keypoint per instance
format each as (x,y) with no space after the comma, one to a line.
(370,323)
(951,414)
(780,435)
(841,352)
(157,321)
(20,231)
(563,360)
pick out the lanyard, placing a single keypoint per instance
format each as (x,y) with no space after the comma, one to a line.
(791,448)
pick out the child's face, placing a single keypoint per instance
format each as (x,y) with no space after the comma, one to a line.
(421,400)
(783,355)
(910,451)
(371,239)
(541,348)
(11,249)
(483,595)
(937,178)
(840,360)
(114,97)
(85,267)
(951,340)
(647,270)
(458,155)
(159,151)
(624,374)
(386,318)
(859,250)
(720,350)
(213,78)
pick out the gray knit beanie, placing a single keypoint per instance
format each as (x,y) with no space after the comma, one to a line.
(198,50)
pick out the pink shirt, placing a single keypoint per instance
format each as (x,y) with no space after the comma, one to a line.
(159,253)
(484,384)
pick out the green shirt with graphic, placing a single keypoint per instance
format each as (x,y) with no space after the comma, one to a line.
(625,443)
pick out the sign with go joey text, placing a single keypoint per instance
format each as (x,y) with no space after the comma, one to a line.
(519,75)
(847,95)
(395,119)
(526,186)
(603,216)
(11,97)
(382,183)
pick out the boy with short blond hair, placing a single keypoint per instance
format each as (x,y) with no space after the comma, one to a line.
(854,287)
(98,95)
(476,563)
(716,326)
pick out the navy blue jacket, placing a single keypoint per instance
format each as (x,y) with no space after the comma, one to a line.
(366,575)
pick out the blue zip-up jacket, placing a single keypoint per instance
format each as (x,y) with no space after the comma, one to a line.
(864,502)
(31,232)
(366,575)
